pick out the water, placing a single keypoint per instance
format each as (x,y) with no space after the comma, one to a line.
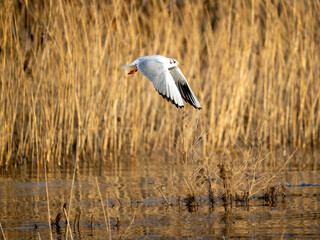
(137,208)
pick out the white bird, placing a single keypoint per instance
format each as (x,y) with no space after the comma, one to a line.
(166,78)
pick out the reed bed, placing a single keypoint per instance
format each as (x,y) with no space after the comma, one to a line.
(254,66)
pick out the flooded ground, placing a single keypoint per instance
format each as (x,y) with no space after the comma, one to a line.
(135,191)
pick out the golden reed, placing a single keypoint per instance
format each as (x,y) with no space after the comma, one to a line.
(254,66)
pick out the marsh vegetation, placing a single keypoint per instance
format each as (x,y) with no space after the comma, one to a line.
(66,105)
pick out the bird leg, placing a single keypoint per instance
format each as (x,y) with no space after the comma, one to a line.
(133,71)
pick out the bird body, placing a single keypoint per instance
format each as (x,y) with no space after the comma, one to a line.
(166,78)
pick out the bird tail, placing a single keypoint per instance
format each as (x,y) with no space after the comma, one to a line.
(129,65)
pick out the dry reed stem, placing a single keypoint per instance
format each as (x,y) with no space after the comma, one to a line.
(108,216)
(48,201)
(161,192)
(68,224)
(106,219)
(4,236)
(127,229)
(70,201)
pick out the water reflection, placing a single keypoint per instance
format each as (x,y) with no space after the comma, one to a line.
(137,208)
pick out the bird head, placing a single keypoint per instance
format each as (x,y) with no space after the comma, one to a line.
(174,63)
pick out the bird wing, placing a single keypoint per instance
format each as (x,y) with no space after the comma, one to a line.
(184,87)
(161,79)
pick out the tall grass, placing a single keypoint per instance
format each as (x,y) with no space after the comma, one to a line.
(252,64)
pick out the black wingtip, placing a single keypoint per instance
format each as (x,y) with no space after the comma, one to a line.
(187,95)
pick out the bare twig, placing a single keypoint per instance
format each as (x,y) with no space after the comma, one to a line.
(68,223)
(134,215)
(4,236)
(71,194)
(48,205)
(159,189)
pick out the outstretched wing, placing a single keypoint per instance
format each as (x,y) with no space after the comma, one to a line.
(161,79)
(184,87)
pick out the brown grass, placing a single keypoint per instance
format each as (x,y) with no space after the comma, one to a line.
(62,92)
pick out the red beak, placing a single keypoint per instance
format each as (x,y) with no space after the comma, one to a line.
(180,63)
